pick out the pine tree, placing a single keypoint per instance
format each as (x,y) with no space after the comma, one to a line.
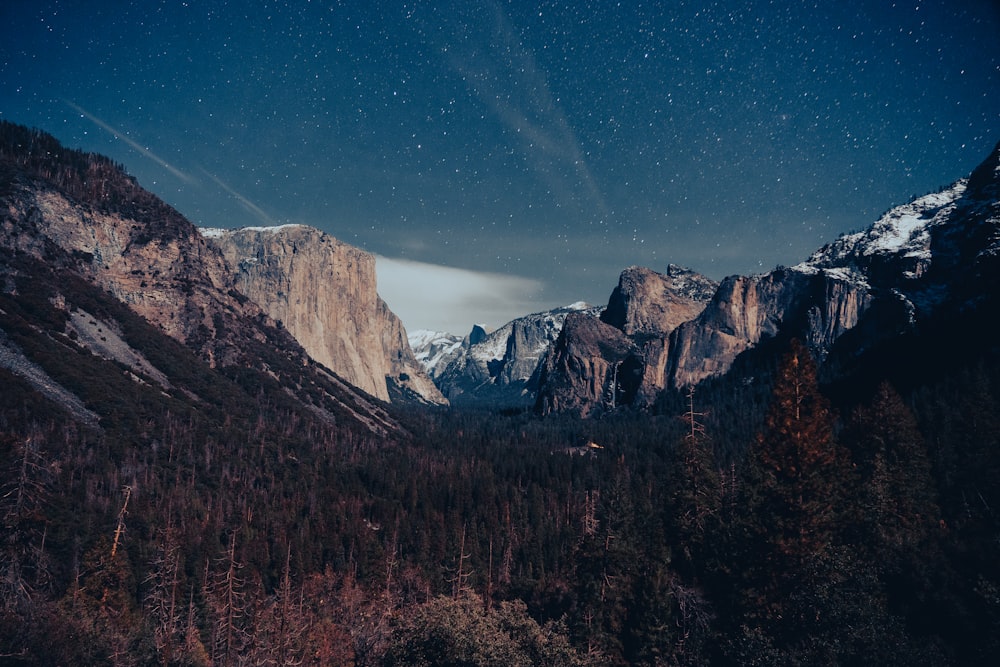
(901,511)
(804,473)
(695,495)
(794,566)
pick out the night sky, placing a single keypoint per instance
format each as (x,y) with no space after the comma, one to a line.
(533,149)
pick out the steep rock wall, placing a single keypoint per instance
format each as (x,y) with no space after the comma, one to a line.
(323,291)
(592,367)
(647,302)
(817,308)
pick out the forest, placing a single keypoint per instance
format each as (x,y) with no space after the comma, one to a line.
(793,512)
(734,524)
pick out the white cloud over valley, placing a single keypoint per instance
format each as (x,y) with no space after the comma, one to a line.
(442,298)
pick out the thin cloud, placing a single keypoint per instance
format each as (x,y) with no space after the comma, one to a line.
(137,146)
(442,298)
(504,75)
(254,210)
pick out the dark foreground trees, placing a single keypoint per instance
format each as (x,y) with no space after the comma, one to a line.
(266,538)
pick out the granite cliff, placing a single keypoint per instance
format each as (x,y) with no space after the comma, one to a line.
(323,291)
(145,255)
(85,250)
(497,367)
(622,358)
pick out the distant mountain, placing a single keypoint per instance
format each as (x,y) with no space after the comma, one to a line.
(919,264)
(621,358)
(323,291)
(434,349)
(497,367)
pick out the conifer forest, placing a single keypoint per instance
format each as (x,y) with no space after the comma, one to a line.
(235,513)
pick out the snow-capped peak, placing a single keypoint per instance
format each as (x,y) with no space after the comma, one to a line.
(433,349)
(218,232)
(903,232)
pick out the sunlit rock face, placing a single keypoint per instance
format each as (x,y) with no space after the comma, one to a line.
(591,368)
(324,293)
(622,358)
(748,309)
(647,302)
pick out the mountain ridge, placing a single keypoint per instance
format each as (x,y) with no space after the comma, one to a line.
(71,218)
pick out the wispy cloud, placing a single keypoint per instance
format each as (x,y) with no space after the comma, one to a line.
(442,298)
(252,208)
(134,144)
(505,76)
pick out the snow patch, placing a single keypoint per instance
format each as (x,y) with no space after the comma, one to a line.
(218,232)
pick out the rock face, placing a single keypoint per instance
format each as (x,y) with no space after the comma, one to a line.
(435,349)
(161,269)
(323,292)
(938,254)
(748,309)
(632,365)
(593,367)
(110,271)
(647,302)
(497,367)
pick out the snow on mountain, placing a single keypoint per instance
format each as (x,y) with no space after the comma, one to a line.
(218,232)
(434,349)
(545,327)
(502,360)
(903,232)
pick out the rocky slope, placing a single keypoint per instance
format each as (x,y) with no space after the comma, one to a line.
(323,292)
(434,349)
(647,302)
(748,309)
(593,367)
(79,238)
(622,358)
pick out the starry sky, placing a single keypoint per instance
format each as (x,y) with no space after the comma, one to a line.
(506,157)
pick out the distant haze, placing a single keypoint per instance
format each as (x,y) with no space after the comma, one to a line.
(440,298)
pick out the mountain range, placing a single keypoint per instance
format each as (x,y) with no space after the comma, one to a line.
(218,447)
(314,299)
(918,262)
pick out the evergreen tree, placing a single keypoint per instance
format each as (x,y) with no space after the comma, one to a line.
(695,494)
(901,512)
(803,471)
(797,499)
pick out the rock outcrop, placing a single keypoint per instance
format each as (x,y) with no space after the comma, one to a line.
(748,309)
(160,267)
(323,291)
(593,367)
(643,310)
(647,302)
(101,267)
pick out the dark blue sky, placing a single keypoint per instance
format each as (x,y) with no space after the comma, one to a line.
(553,142)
